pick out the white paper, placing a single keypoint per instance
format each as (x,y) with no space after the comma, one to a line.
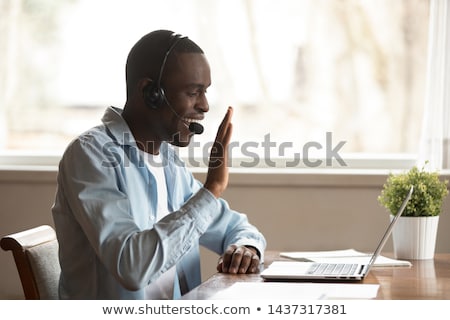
(344,256)
(295,290)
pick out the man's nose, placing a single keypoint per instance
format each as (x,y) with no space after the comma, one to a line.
(202,103)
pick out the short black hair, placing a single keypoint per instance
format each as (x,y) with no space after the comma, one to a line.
(147,55)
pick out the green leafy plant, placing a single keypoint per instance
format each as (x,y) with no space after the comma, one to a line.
(429,193)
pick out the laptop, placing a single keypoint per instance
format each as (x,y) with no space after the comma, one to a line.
(292,270)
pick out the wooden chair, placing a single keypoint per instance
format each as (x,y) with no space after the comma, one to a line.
(35,253)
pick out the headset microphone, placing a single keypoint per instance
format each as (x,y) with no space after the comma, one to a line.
(196,128)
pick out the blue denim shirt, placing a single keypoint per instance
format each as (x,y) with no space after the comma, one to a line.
(110,245)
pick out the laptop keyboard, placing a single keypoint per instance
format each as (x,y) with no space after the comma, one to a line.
(333,268)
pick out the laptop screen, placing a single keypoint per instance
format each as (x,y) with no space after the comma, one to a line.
(389,230)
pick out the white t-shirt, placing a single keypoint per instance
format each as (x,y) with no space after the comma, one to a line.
(163,287)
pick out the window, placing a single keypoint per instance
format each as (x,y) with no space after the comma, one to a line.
(299,73)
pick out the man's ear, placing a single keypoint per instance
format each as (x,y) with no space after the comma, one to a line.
(153,95)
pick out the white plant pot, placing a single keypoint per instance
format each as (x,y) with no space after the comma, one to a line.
(414,238)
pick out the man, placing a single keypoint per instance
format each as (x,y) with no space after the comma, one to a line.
(129,216)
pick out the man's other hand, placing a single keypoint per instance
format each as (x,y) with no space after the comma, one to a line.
(238,260)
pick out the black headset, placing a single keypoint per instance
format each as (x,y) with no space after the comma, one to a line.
(154,95)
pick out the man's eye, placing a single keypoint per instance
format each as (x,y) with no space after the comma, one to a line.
(196,93)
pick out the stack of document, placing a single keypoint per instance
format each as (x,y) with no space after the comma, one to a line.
(344,256)
(299,291)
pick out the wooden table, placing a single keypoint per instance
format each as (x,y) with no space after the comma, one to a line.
(426,279)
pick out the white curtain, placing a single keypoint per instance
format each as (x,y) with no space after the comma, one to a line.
(435,137)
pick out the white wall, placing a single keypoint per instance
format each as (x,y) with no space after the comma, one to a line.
(294,210)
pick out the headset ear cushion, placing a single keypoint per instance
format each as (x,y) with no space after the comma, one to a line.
(153,97)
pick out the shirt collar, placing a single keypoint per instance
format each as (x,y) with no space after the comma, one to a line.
(112,119)
(114,122)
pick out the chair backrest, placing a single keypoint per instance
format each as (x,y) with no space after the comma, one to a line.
(35,253)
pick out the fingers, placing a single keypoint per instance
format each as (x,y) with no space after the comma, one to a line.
(219,149)
(238,260)
(227,257)
(220,265)
(225,128)
(224,125)
(217,177)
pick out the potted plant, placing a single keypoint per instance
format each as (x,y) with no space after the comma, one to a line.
(414,236)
